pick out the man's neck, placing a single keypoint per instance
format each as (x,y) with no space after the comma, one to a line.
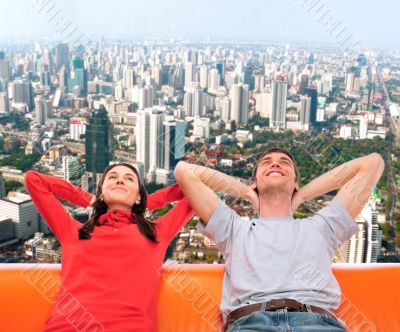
(275,204)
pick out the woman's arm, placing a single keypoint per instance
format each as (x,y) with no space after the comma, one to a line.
(44,189)
(164,196)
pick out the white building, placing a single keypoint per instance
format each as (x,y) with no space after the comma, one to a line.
(77,128)
(240,103)
(72,169)
(19,207)
(201,127)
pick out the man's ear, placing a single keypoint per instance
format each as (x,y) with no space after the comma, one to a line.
(254,187)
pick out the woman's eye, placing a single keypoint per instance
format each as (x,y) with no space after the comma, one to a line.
(130,179)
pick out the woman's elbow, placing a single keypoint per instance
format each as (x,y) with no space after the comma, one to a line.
(179,171)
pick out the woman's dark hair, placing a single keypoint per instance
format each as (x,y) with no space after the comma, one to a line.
(146,227)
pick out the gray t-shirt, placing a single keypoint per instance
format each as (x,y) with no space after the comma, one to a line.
(280,257)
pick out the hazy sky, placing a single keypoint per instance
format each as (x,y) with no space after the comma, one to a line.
(373,23)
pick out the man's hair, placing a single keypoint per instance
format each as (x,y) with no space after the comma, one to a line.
(279,150)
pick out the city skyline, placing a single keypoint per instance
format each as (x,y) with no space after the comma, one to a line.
(253,20)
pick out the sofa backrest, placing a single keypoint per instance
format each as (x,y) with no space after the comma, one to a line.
(190,295)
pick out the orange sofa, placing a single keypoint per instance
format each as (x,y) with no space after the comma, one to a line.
(190,295)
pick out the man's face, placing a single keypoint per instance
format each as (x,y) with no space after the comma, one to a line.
(276,171)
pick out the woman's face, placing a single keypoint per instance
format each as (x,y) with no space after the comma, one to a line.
(120,188)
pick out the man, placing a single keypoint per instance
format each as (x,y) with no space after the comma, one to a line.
(278,269)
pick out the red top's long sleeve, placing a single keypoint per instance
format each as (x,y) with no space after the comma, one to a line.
(113,277)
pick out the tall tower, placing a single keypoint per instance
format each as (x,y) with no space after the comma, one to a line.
(240,103)
(62,55)
(149,141)
(79,77)
(305,107)
(279,96)
(98,141)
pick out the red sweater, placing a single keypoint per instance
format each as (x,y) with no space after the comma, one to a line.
(109,283)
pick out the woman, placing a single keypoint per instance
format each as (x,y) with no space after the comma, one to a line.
(109,278)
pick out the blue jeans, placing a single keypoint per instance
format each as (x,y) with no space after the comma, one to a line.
(286,321)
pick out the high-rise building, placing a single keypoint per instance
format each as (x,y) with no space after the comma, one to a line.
(201,127)
(77,128)
(240,103)
(145,97)
(22,92)
(174,143)
(2,186)
(279,100)
(45,80)
(190,74)
(78,81)
(264,104)
(259,83)
(188,103)
(214,80)
(304,82)
(352,81)
(248,77)
(71,167)
(19,207)
(98,141)
(7,233)
(365,246)
(305,107)
(149,142)
(225,109)
(4,104)
(62,55)
(221,71)
(42,110)
(204,74)
(128,77)
(312,93)
(5,72)
(198,102)
(193,102)
(363,127)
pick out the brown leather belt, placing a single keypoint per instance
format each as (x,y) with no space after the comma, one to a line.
(273,305)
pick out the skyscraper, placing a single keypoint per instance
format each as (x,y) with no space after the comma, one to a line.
(42,110)
(62,55)
(145,97)
(190,74)
(19,207)
(174,143)
(188,103)
(313,94)
(79,77)
(5,73)
(204,73)
(4,105)
(240,103)
(22,92)
(214,80)
(149,142)
(279,96)
(264,104)
(305,107)
(98,141)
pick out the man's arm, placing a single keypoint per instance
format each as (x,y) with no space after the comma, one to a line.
(198,183)
(356,180)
